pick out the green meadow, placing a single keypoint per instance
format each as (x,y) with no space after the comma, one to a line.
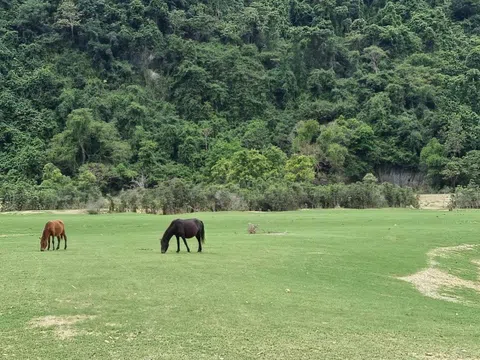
(308,285)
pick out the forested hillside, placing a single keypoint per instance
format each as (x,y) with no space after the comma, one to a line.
(132,93)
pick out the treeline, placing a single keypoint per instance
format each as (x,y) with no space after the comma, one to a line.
(135,93)
(180,196)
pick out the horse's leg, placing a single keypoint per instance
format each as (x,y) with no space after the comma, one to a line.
(48,243)
(185,242)
(178,243)
(53,242)
(58,240)
(65,238)
(199,243)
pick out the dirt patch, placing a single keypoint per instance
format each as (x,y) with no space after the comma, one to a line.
(434,201)
(276,233)
(63,324)
(12,235)
(432,280)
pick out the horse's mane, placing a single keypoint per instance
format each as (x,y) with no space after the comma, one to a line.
(168,233)
(45,235)
(46,232)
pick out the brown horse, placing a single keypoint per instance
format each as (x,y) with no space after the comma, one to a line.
(184,229)
(53,228)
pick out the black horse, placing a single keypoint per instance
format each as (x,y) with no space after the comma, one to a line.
(184,229)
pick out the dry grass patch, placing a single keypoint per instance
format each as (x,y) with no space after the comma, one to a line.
(434,201)
(432,280)
(63,324)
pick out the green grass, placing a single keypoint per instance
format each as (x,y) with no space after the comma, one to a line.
(231,302)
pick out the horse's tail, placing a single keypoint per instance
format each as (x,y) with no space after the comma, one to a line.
(202,232)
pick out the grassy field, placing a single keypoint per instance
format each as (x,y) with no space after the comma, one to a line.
(326,288)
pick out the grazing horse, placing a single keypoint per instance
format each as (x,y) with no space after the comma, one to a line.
(53,228)
(184,229)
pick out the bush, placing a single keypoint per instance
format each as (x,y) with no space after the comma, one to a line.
(220,198)
(252,228)
(179,196)
(467,197)
(150,202)
(278,197)
(399,197)
(95,206)
(362,195)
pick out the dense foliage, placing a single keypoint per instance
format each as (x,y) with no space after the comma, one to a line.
(106,95)
(180,196)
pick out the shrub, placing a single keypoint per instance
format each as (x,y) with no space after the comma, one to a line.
(95,206)
(399,197)
(252,228)
(279,197)
(177,196)
(467,197)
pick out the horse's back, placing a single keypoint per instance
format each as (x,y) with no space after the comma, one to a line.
(190,227)
(56,227)
(195,221)
(186,221)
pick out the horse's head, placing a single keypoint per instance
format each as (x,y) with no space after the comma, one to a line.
(163,245)
(43,243)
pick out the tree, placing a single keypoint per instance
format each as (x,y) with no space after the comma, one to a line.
(52,175)
(470,167)
(244,168)
(300,168)
(463,9)
(456,136)
(374,55)
(256,135)
(68,15)
(333,146)
(85,138)
(305,137)
(150,157)
(452,171)
(432,159)
(87,185)
(473,58)
(32,14)
(277,159)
